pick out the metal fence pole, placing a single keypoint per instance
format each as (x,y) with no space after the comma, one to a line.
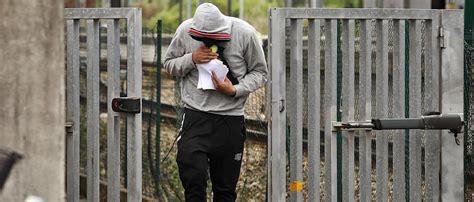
(93,110)
(113,118)
(188,9)
(73,111)
(106,3)
(134,121)
(399,109)
(382,109)
(330,109)
(159,28)
(277,126)
(365,109)
(369,4)
(241,9)
(348,110)
(314,109)
(415,109)
(180,18)
(338,109)
(296,109)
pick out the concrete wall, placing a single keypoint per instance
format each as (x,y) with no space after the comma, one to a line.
(32,97)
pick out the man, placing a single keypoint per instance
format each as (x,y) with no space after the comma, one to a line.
(212,133)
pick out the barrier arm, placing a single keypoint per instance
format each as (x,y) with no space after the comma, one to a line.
(430,121)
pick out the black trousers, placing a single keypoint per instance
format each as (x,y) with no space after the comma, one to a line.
(210,145)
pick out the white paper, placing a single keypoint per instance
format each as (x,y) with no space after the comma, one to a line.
(205,72)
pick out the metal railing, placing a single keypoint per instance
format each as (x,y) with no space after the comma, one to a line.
(134,82)
(340,87)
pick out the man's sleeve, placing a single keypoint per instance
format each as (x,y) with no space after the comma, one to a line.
(177,62)
(257,70)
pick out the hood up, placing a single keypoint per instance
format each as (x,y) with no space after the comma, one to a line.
(209,22)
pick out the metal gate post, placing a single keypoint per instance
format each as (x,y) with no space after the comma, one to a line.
(134,121)
(452,169)
(277,124)
(72,111)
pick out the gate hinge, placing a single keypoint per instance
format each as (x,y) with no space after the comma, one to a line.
(442,39)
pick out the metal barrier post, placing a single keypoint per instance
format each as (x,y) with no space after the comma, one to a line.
(159,28)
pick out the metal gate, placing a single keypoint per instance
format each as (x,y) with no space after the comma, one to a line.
(354,65)
(93,18)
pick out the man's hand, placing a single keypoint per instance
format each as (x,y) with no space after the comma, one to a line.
(224,87)
(203,55)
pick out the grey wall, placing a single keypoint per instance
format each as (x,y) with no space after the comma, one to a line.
(32,97)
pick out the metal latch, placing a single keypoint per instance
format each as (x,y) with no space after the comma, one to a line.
(127,105)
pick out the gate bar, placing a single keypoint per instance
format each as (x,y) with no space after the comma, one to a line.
(113,118)
(330,109)
(348,110)
(93,110)
(365,109)
(134,121)
(296,110)
(399,109)
(73,111)
(382,109)
(415,109)
(277,179)
(314,118)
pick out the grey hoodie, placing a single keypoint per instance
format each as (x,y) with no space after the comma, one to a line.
(243,53)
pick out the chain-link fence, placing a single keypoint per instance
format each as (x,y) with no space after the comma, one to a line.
(468,111)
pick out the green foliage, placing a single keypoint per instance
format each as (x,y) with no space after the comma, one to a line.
(255,12)
(345,3)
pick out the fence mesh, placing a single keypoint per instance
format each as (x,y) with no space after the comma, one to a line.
(468,111)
